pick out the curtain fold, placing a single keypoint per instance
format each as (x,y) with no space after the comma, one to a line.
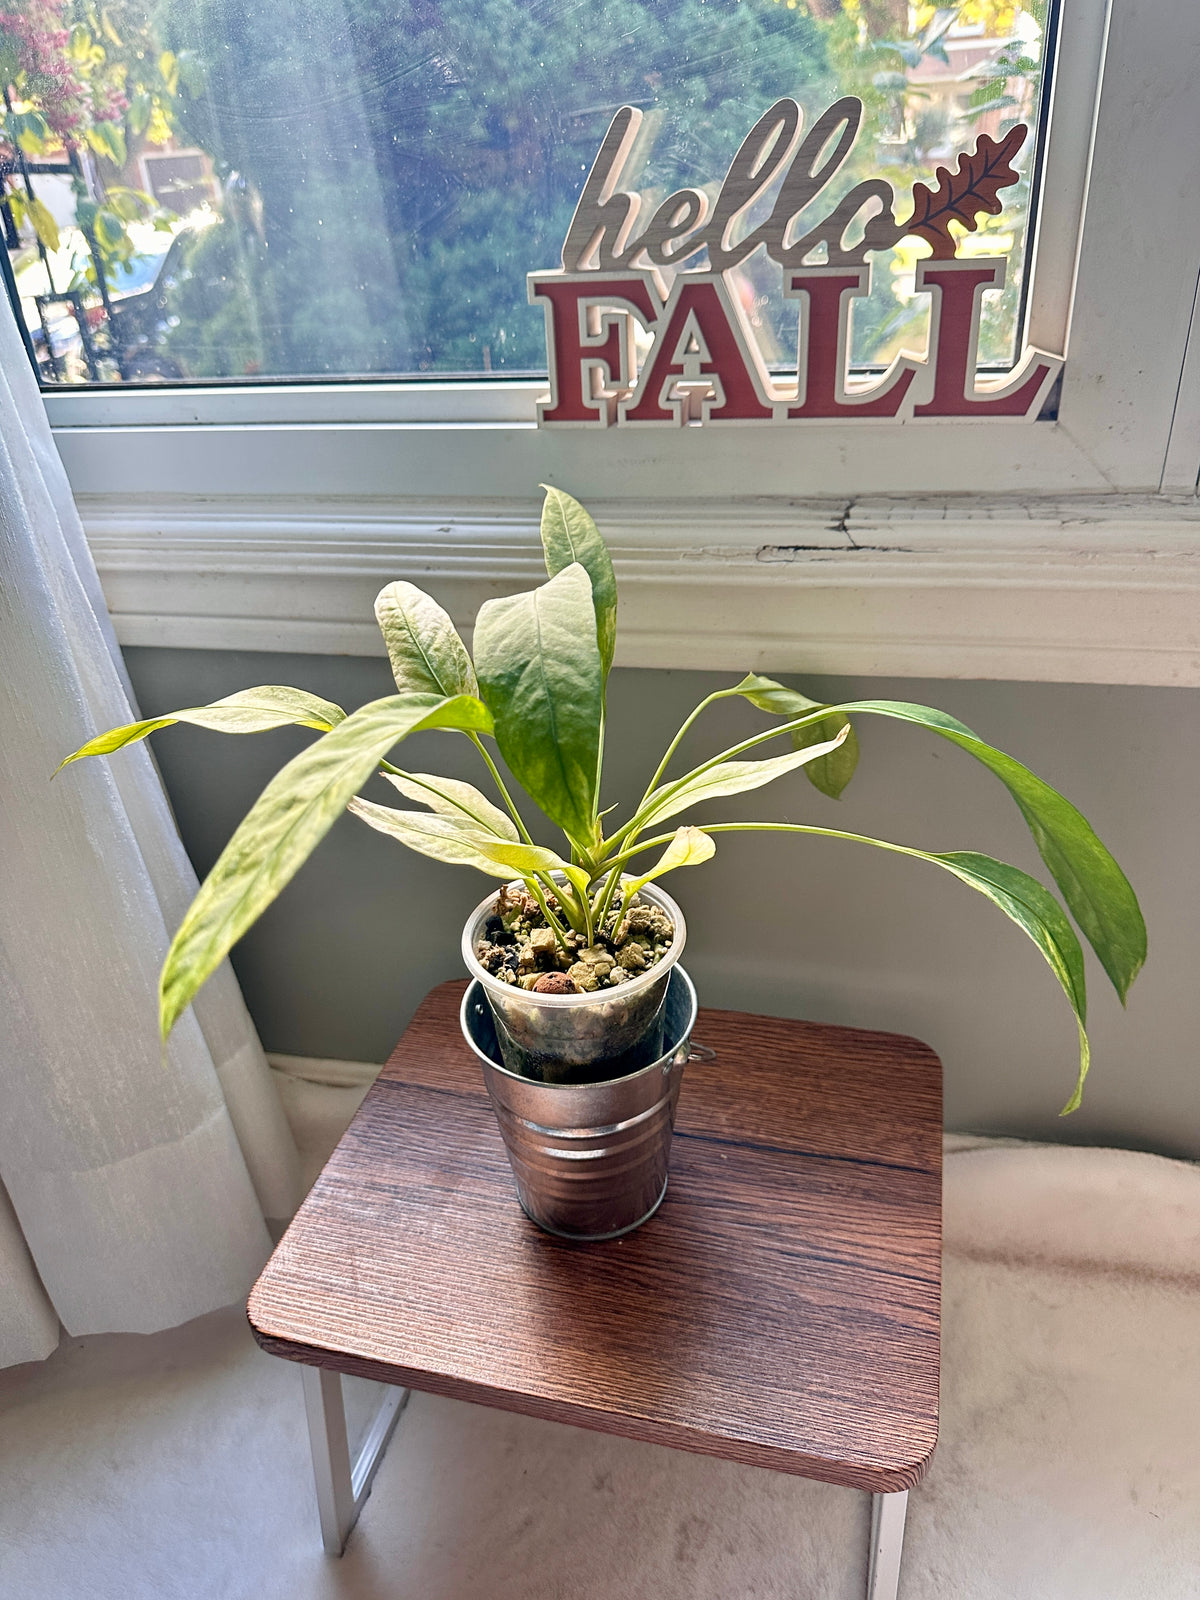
(139,1184)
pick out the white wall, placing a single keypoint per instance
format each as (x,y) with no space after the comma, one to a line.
(800,928)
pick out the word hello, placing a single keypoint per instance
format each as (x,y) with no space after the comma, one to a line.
(701,362)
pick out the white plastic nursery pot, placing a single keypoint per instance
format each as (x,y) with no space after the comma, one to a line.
(556,1038)
(589,1159)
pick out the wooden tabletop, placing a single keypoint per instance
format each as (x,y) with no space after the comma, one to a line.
(782,1308)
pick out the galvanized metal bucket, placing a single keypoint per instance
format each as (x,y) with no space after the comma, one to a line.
(589,1159)
(602,1035)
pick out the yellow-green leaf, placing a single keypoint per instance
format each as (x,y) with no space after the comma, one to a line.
(141,107)
(688,848)
(726,778)
(423,645)
(456,800)
(128,204)
(456,841)
(30,130)
(579,880)
(284,826)
(1022,898)
(569,534)
(1095,889)
(271,705)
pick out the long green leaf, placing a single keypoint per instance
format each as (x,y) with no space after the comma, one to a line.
(832,772)
(284,826)
(540,674)
(1022,898)
(726,778)
(445,839)
(423,645)
(1096,890)
(569,534)
(1033,908)
(452,798)
(271,705)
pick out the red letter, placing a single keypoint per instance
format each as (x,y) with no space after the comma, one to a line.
(957,288)
(699,340)
(589,342)
(825,294)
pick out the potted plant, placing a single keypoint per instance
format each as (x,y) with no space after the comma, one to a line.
(587,1014)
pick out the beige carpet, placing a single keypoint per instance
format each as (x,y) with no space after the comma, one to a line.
(145,1468)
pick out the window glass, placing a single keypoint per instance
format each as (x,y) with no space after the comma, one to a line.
(201,189)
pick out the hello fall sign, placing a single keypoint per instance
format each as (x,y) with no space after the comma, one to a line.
(696,358)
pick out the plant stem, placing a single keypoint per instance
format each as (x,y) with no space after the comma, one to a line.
(560,933)
(623,896)
(776,827)
(599,773)
(759,738)
(638,849)
(574,905)
(637,822)
(797,827)
(581,904)
(507,798)
(610,888)
(676,741)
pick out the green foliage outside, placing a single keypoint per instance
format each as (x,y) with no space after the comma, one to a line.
(414,161)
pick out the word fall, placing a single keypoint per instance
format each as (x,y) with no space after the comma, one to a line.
(699,361)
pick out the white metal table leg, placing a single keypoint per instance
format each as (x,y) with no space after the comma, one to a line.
(342,1486)
(887,1541)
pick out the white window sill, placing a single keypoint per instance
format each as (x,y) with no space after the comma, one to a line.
(1069,588)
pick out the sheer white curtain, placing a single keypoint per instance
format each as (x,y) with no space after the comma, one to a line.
(134,1190)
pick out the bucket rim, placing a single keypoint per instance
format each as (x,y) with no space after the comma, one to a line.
(574,1088)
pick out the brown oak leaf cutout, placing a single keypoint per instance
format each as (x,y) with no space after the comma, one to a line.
(973,186)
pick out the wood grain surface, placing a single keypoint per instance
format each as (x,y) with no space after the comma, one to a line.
(781,1309)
